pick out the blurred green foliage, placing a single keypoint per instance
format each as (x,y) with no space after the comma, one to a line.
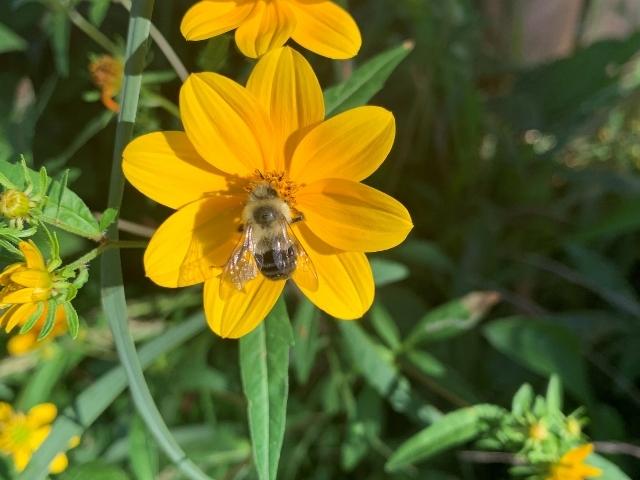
(523,185)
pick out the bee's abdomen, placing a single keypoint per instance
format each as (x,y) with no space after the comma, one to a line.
(277,270)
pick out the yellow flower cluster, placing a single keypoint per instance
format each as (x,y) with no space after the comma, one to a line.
(21,434)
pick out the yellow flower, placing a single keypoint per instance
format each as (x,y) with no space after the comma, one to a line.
(21,344)
(263,25)
(26,287)
(21,434)
(538,432)
(571,465)
(107,72)
(273,132)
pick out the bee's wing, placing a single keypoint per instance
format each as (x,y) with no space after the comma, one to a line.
(305,274)
(241,266)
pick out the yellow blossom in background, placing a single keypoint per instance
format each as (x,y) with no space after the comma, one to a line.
(107,73)
(263,25)
(21,344)
(273,133)
(571,465)
(21,434)
(26,288)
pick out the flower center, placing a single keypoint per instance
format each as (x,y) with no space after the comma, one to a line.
(19,432)
(285,188)
(538,432)
(14,204)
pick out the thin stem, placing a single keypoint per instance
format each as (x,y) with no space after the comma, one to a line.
(96,252)
(113,298)
(92,32)
(164,46)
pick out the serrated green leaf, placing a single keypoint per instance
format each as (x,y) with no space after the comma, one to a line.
(143,451)
(108,217)
(306,340)
(543,347)
(452,318)
(10,41)
(451,430)
(366,80)
(264,363)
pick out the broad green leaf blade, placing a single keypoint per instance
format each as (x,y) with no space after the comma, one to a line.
(366,80)
(143,451)
(543,347)
(387,271)
(88,406)
(264,363)
(610,471)
(64,209)
(451,430)
(10,41)
(306,340)
(376,364)
(452,318)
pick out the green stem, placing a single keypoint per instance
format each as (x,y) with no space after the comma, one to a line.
(113,298)
(96,252)
(91,31)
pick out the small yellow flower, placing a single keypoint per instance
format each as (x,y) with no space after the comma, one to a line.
(571,465)
(21,344)
(21,434)
(273,134)
(27,286)
(263,25)
(574,427)
(18,206)
(538,432)
(107,73)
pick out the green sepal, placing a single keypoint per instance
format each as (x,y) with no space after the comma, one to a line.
(50,321)
(73,322)
(33,318)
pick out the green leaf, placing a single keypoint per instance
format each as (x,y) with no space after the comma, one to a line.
(306,340)
(10,41)
(452,318)
(35,316)
(98,11)
(366,80)
(543,347)
(610,471)
(73,323)
(88,405)
(49,321)
(363,429)
(264,363)
(385,326)
(376,364)
(108,217)
(143,452)
(60,34)
(522,400)
(554,394)
(388,271)
(95,471)
(64,209)
(451,430)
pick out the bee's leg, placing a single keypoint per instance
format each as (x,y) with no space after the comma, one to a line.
(297,218)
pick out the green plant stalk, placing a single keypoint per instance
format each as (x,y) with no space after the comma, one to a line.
(96,252)
(113,297)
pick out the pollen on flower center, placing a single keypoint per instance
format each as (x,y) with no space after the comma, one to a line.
(14,204)
(285,188)
(20,432)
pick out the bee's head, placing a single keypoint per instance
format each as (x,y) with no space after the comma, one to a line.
(265,215)
(263,191)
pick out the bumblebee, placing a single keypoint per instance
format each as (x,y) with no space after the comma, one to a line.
(268,245)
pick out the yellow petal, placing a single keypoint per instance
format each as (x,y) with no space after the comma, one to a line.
(345,282)
(42,414)
(326,29)
(286,86)
(351,145)
(74,441)
(166,168)
(269,26)
(32,255)
(21,344)
(26,295)
(241,312)
(210,18)
(7,315)
(6,411)
(8,270)
(353,217)
(193,241)
(38,436)
(59,463)
(226,124)
(21,458)
(32,278)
